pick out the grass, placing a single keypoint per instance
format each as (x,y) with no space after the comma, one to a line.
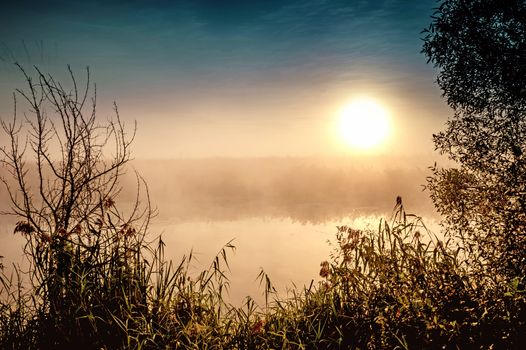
(103,286)
(95,282)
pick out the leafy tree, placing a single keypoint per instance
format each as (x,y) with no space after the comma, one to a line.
(479,48)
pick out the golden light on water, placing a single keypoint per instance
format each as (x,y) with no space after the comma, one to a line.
(363,124)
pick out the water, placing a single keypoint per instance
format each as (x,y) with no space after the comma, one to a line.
(280,213)
(289,252)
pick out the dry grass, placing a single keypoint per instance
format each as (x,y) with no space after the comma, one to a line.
(395,287)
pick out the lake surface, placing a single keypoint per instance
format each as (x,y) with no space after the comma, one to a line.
(280,213)
(289,251)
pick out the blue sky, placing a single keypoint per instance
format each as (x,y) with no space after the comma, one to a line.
(240,72)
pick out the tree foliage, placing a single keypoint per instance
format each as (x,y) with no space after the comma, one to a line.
(479,48)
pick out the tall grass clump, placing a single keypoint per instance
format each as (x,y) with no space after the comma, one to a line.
(397,287)
(94,279)
(117,292)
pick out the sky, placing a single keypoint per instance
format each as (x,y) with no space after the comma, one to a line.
(235,78)
(261,83)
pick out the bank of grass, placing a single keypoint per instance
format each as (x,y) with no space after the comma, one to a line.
(396,287)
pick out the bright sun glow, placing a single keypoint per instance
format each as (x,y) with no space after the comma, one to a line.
(363,124)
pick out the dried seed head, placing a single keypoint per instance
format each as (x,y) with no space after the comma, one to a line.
(325,270)
(347,258)
(127,230)
(62,232)
(258,327)
(108,203)
(24,228)
(45,237)
(353,235)
(77,230)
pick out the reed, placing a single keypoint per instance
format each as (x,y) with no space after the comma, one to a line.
(94,280)
(395,287)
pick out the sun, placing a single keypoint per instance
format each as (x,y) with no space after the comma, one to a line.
(363,124)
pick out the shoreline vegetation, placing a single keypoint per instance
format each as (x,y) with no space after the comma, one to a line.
(395,287)
(95,282)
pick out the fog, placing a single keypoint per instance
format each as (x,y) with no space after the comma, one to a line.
(280,211)
(307,190)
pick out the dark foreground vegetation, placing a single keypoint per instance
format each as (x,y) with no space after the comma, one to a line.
(397,287)
(94,281)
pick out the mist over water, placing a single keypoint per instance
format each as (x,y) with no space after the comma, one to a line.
(307,190)
(280,211)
